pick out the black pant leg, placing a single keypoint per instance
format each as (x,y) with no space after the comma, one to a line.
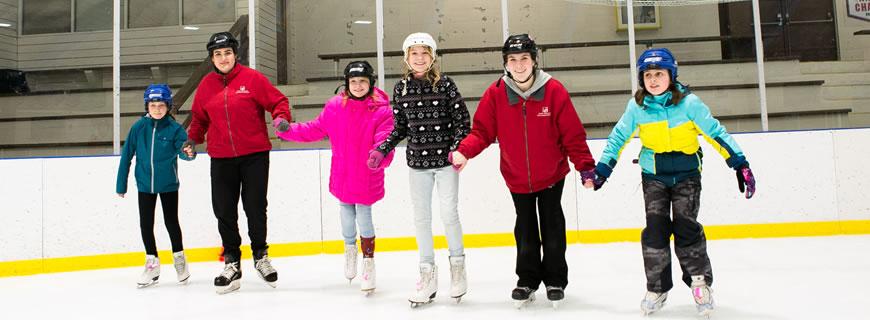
(255,181)
(690,243)
(529,267)
(656,237)
(147,203)
(169,202)
(553,235)
(225,187)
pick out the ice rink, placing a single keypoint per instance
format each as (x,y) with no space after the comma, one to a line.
(779,278)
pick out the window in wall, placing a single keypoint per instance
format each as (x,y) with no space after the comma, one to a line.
(93,15)
(153,13)
(46,16)
(208,11)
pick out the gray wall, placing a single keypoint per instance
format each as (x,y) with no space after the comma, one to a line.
(319,27)
(9,36)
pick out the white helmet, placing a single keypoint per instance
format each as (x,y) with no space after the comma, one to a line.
(419,38)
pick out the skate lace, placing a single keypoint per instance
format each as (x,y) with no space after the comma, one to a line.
(179,264)
(230,270)
(424,279)
(457,274)
(265,266)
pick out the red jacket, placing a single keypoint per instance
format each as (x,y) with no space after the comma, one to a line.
(230,109)
(536,136)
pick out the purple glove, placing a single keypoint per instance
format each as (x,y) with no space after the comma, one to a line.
(746,181)
(375,158)
(597,180)
(281,124)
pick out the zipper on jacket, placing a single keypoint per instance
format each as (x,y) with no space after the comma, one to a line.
(227,112)
(153,136)
(526,138)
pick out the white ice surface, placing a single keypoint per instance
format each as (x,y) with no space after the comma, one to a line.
(784,278)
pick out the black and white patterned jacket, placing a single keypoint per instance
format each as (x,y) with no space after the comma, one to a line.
(434,119)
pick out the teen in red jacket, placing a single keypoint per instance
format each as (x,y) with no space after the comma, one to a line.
(532,116)
(229,113)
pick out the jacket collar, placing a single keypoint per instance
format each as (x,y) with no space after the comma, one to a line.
(535,92)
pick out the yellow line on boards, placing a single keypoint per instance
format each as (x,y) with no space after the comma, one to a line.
(740,231)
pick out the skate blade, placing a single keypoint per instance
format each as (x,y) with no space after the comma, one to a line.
(184,281)
(235,285)
(368,292)
(556,304)
(415,305)
(705,311)
(145,285)
(519,304)
(458,298)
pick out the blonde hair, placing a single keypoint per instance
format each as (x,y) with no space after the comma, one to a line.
(433,75)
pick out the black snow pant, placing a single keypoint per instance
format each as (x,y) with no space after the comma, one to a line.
(147,204)
(690,243)
(545,205)
(246,176)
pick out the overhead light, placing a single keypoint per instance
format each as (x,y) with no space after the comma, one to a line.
(363,22)
(191,28)
(5,25)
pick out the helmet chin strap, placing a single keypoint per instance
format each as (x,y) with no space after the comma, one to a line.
(531,75)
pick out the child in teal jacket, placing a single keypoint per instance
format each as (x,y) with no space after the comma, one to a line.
(155,140)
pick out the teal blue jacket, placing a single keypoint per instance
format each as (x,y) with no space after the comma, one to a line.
(669,134)
(156,164)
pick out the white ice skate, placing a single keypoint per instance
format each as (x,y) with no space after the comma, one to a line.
(181,267)
(350,254)
(652,302)
(703,295)
(151,274)
(427,286)
(368,276)
(458,282)
(522,296)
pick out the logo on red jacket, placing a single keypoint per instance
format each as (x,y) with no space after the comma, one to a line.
(545,112)
(242,89)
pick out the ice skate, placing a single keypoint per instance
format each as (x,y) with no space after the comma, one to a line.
(523,296)
(458,282)
(266,271)
(368,276)
(427,286)
(555,295)
(350,254)
(652,302)
(230,279)
(180,262)
(703,295)
(151,274)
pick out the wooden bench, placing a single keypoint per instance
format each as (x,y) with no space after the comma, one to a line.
(862,32)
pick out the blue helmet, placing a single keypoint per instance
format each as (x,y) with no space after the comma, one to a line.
(657,58)
(158,92)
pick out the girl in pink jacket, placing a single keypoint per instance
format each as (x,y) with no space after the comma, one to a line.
(357,120)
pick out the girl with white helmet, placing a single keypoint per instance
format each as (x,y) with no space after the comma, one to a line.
(429,110)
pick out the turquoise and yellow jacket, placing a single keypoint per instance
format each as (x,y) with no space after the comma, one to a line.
(669,134)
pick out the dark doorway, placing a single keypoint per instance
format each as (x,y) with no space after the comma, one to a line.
(804,29)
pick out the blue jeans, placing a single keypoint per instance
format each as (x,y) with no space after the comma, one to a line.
(353,214)
(422,181)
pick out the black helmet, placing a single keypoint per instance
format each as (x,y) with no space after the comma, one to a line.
(222,40)
(359,69)
(519,43)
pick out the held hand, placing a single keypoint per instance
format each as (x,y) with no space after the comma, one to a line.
(746,181)
(189,148)
(281,124)
(375,159)
(458,160)
(592,179)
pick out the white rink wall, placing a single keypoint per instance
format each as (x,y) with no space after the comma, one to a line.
(66,207)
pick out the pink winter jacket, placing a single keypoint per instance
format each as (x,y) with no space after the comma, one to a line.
(354,128)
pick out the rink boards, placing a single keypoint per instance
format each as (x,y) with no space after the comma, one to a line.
(61,214)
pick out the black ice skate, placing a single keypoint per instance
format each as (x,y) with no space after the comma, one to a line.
(555,295)
(266,271)
(230,279)
(523,296)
